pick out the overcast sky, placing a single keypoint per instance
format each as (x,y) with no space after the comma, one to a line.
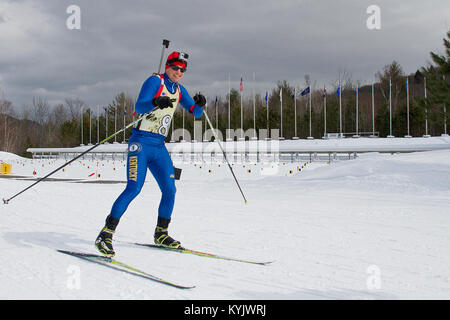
(119,44)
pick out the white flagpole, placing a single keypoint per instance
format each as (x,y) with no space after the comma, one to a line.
(124,120)
(357,112)
(373,112)
(98,123)
(340,106)
(254,108)
(106,123)
(445,114)
(295,114)
(205,110)
(115,123)
(82,126)
(217,114)
(172,124)
(242,113)
(183,125)
(90,126)
(267,108)
(325,111)
(310,113)
(407,108)
(426,109)
(229,107)
(295,110)
(390,109)
(281,107)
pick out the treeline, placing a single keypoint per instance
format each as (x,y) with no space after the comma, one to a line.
(66,124)
(74,122)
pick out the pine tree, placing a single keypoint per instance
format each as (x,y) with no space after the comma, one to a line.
(438,75)
(438,80)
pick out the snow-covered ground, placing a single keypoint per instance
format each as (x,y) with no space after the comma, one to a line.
(377,227)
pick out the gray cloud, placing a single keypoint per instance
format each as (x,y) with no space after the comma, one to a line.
(119,43)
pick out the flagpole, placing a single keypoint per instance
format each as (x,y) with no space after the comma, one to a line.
(426,108)
(217,115)
(357,113)
(254,109)
(81,127)
(184,140)
(390,109)
(310,114)
(205,110)
(267,108)
(295,111)
(242,112)
(229,107)
(115,123)
(340,107)
(106,123)
(295,115)
(125,121)
(407,108)
(98,123)
(90,126)
(445,114)
(281,108)
(373,113)
(325,111)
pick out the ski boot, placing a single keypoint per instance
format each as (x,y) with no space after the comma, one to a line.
(162,237)
(104,239)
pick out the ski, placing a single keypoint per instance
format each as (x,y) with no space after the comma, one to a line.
(201,254)
(117,265)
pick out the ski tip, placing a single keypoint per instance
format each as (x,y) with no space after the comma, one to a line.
(185,287)
(5,201)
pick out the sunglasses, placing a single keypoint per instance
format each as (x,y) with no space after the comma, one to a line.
(176,68)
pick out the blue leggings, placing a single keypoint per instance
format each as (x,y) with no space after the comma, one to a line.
(147,150)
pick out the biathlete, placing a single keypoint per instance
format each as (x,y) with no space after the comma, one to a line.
(157,101)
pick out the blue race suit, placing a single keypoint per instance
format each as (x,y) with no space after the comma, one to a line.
(146,147)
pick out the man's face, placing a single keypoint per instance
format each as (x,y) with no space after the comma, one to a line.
(174,75)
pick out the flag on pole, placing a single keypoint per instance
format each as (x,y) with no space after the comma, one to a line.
(338,91)
(267,96)
(305,92)
(324,91)
(281,93)
(241,87)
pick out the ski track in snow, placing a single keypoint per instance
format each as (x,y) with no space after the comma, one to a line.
(326,227)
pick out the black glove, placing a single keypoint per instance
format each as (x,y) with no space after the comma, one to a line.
(200,100)
(162,102)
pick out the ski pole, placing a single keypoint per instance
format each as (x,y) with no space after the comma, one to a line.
(67,163)
(225,156)
(6,201)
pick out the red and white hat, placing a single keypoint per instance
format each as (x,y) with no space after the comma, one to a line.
(177,59)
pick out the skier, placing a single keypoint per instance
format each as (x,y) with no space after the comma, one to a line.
(146,149)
